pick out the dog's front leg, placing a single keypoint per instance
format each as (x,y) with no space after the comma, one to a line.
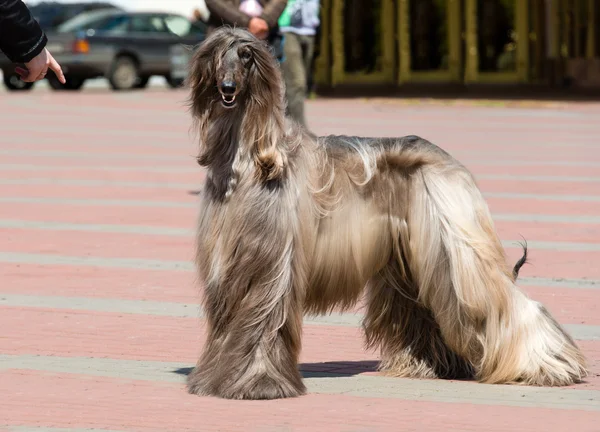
(253,308)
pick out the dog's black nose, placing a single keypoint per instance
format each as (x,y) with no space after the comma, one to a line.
(228,87)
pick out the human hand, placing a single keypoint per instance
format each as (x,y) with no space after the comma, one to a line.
(259,28)
(38,66)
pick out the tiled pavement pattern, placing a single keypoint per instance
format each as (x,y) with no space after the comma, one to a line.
(99,317)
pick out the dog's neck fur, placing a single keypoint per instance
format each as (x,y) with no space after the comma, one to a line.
(240,141)
(220,144)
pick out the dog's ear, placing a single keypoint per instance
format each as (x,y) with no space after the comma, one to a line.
(266,72)
(265,126)
(201,73)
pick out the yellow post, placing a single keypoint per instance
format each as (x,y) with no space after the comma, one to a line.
(404,41)
(591,27)
(553,30)
(337,42)
(388,54)
(522,27)
(454,36)
(472,60)
(322,64)
(566,27)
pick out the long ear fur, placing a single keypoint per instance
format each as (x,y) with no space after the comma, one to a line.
(264,120)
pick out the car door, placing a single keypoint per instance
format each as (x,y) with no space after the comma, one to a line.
(151,40)
(186,35)
(187,32)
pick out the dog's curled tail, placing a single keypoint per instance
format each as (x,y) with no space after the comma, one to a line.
(522,261)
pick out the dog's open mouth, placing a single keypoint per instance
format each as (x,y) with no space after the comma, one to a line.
(228,100)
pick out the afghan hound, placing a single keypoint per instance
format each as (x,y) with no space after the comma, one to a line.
(293,225)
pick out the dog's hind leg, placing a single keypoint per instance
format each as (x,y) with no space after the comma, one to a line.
(406,333)
(458,262)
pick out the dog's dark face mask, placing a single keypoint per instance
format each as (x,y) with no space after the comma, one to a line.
(232,74)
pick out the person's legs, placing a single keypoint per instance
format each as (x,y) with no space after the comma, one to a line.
(308,45)
(294,73)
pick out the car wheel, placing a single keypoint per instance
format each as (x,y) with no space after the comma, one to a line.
(72,83)
(142,82)
(13,82)
(123,74)
(174,82)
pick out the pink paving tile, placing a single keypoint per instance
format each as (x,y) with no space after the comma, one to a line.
(185,217)
(99,244)
(130,148)
(544,207)
(41,331)
(541,263)
(547,231)
(128,336)
(550,263)
(534,170)
(100,192)
(573,306)
(557,187)
(76,162)
(96,282)
(188,174)
(79,401)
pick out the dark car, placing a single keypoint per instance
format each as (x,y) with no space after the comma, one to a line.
(125,47)
(51,14)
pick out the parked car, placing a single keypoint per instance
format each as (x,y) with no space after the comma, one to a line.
(127,48)
(50,14)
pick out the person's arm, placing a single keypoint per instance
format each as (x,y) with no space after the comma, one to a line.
(21,37)
(226,13)
(273,11)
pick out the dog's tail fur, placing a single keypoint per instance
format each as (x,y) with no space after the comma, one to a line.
(460,268)
(522,261)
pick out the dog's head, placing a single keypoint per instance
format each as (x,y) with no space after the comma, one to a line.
(237,100)
(232,68)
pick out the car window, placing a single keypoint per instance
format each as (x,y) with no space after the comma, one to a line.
(148,24)
(182,26)
(114,25)
(86,20)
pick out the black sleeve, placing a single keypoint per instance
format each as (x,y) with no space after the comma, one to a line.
(21,37)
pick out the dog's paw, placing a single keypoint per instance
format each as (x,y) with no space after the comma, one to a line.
(253,389)
(268,388)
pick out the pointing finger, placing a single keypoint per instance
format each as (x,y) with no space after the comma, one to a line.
(53,64)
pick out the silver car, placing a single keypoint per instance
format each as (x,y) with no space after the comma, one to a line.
(127,48)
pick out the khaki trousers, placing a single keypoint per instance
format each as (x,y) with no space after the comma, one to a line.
(298,50)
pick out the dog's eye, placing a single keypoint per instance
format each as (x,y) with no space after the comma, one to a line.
(245,54)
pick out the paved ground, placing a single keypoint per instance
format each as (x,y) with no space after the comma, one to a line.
(98,303)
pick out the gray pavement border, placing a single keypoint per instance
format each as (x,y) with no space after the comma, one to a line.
(184,310)
(467,153)
(178,185)
(151,203)
(174,231)
(330,383)
(171,265)
(53,429)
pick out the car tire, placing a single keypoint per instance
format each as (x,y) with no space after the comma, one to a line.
(123,74)
(174,82)
(72,83)
(13,82)
(142,82)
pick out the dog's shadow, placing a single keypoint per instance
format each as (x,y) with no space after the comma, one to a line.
(322,370)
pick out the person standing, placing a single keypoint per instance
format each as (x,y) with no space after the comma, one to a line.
(259,17)
(23,41)
(298,23)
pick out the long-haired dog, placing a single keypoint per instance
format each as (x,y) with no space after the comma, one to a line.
(292,225)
